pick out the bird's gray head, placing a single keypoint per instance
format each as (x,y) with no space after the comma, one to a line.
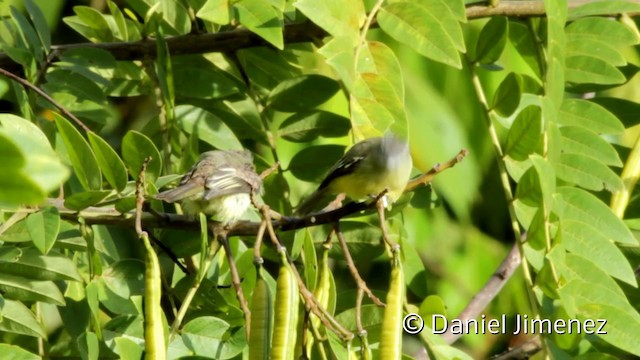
(394,147)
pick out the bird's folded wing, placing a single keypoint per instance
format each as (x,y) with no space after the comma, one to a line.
(183,191)
(225,181)
(341,168)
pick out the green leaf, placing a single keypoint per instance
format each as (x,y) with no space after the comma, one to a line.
(204,335)
(524,134)
(215,11)
(90,23)
(209,127)
(589,115)
(338,18)
(15,352)
(547,178)
(88,345)
(592,70)
(604,7)
(492,39)
(595,48)
(204,81)
(507,97)
(36,266)
(136,147)
(378,58)
(82,157)
(376,107)
(577,267)
(302,93)
(579,205)
(43,227)
(522,39)
(121,30)
(125,278)
(602,29)
(128,349)
(587,172)
(305,126)
(627,111)
(313,162)
(579,140)
(584,240)
(18,319)
(30,165)
(39,23)
(536,232)
(413,25)
(621,326)
(110,163)
(591,301)
(83,200)
(28,34)
(20,288)
(341,58)
(262,19)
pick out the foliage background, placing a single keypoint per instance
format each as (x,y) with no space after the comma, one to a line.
(76,290)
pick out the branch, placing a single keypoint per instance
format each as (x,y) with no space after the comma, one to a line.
(46,96)
(480,301)
(110,216)
(234,40)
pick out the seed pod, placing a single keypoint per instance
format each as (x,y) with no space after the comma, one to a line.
(153,331)
(391,335)
(286,313)
(261,321)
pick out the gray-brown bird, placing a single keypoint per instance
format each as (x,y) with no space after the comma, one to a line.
(219,184)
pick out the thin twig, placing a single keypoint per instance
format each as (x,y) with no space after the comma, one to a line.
(46,96)
(362,285)
(214,246)
(110,216)
(310,301)
(235,280)
(393,247)
(488,292)
(234,40)
(270,170)
(522,351)
(427,177)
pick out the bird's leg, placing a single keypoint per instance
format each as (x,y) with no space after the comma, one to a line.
(147,208)
(335,203)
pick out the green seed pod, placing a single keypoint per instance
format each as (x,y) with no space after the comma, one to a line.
(155,347)
(261,321)
(391,335)
(286,314)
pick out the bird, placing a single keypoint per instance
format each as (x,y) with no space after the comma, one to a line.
(367,169)
(219,184)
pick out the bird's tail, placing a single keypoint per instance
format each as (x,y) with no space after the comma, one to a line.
(179,193)
(311,202)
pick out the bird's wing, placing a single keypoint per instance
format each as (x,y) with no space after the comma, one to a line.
(341,168)
(225,181)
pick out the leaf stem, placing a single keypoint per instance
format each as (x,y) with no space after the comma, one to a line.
(504,179)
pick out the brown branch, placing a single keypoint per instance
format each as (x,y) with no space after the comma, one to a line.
(234,40)
(429,175)
(140,196)
(46,96)
(480,301)
(109,216)
(235,280)
(362,285)
(522,351)
(310,301)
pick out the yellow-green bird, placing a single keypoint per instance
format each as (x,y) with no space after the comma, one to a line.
(366,170)
(219,184)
